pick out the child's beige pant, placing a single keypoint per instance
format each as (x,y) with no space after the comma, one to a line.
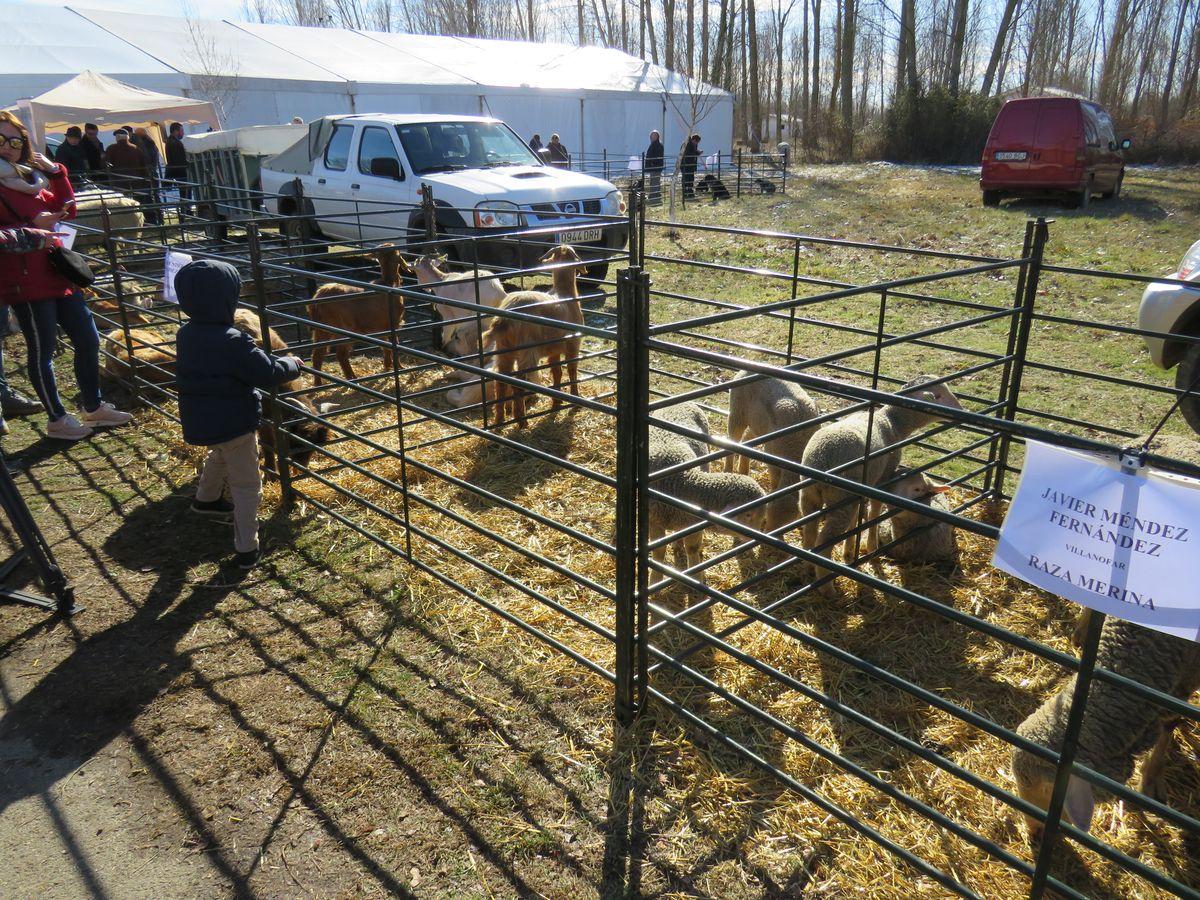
(235,462)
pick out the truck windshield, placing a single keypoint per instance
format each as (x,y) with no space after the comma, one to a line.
(448,146)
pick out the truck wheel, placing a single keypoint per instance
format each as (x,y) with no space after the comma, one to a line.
(991,198)
(1186,377)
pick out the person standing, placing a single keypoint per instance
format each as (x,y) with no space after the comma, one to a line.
(93,148)
(687,166)
(130,169)
(653,168)
(218,368)
(142,140)
(535,144)
(36,191)
(72,154)
(560,157)
(177,164)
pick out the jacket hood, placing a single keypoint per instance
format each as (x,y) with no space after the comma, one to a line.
(208,291)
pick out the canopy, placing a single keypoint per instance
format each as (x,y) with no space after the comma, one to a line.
(92,97)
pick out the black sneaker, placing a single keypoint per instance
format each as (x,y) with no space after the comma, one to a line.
(218,507)
(246,560)
(15,405)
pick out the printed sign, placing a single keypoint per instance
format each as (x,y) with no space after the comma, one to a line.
(635,164)
(712,161)
(66,234)
(174,262)
(1124,543)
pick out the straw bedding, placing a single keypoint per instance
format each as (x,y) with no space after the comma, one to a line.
(700,798)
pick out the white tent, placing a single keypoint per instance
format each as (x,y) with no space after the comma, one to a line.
(91,97)
(597,99)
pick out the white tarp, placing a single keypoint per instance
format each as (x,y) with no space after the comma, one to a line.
(91,97)
(256,140)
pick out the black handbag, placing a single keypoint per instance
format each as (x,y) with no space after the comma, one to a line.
(71,266)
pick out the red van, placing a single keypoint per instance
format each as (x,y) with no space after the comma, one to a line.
(1052,145)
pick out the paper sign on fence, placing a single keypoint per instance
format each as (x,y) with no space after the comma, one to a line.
(66,234)
(635,164)
(1124,543)
(712,161)
(174,262)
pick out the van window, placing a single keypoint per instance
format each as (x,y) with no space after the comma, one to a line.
(1091,126)
(376,143)
(1107,133)
(337,152)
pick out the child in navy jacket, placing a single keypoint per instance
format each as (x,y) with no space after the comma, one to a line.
(217,370)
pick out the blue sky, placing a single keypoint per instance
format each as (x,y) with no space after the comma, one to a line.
(208,9)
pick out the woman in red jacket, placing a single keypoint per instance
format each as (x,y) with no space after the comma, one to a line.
(35,191)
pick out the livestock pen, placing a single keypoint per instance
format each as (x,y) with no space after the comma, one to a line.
(866,730)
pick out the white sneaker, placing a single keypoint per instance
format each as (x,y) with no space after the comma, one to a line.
(104,414)
(68,428)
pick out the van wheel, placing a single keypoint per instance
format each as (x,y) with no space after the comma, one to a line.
(1115,193)
(1186,377)
(1084,198)
(991,198)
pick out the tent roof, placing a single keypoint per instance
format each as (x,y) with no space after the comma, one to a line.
(54,40)
(66,40)
(207,47)
(91,97)
(356,56)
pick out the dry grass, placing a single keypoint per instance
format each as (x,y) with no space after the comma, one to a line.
(703,808)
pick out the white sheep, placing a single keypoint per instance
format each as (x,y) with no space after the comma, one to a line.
(763,406)
(1117,724)
(919,538)
(716,492)
(843,441)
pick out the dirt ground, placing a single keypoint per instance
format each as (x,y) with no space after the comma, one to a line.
(299,732)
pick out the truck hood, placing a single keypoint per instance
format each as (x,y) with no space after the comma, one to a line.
(519,184)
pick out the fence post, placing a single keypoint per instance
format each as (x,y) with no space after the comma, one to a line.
(1031,272)
(429,213)
(739,172)
(604,156)
(1066,755)
(631,509)
(283,457)
(393,325)
(110,247)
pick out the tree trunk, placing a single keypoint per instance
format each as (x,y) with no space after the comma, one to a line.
(704,39)
(579,14)
(846,63)
(804,107)
(716,75)
(998,47)
(1164,108)
(906,48)
(958,39)
(755,96)
(691,38)
(669,34)
(836,81)
(1147,58)
(815,98)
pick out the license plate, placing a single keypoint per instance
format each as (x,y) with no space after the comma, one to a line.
(1009,155)
(581,236)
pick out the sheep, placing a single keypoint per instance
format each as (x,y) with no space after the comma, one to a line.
(713,491)
(460,337)
(312,431)
(520,345)
(149,348)
(1117,724)
(763,406)
(921,539)
(845,440)
(362,312)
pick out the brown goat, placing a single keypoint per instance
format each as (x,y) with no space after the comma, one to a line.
(311,431)
(248,321)
(519,347)
(362,312)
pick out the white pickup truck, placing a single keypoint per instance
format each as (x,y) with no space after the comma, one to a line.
(359,177)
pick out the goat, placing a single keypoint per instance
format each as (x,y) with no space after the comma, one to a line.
(311,431)
(460,336)
(355,310)
(520,345)
(158,366)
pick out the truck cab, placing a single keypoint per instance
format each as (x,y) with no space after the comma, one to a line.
(359,178)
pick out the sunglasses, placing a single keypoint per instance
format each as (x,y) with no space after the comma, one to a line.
(16,143)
